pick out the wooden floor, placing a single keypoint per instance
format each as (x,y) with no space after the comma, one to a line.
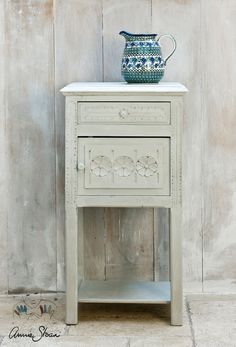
(209,321)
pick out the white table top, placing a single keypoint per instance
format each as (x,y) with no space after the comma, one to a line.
(118,87)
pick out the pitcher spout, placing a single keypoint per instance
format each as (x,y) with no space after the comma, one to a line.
(129,36)
(125,34)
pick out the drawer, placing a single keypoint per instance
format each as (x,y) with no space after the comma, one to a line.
(124,112)
(123,166)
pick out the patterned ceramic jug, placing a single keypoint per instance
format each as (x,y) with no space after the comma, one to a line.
(142,60)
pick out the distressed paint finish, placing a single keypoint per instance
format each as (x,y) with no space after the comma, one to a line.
(130,243)
(31,152)
(78,57)
(184,66)
(219,140)
(3,161)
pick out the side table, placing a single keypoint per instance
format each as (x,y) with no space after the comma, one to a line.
(123,149)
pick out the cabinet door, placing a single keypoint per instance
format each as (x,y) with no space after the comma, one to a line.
(123,166)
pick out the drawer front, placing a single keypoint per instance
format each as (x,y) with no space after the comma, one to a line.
(123,166)
(124,112)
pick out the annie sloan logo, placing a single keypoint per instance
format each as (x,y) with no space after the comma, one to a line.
(42,332)
(34,307)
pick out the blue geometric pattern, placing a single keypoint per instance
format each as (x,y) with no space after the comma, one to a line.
(142,63)
(132,44)
(142,59)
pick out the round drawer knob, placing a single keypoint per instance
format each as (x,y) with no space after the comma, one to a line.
(81,166)
(123,113)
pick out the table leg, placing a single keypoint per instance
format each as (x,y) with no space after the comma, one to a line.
(176,265)
(71,265)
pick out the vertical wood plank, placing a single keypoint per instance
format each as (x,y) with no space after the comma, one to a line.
(219,155)
(30,136)
(133,16)
(129,244)
(185,66)
(78,57)
(94,250)
(161,244)
(3,160)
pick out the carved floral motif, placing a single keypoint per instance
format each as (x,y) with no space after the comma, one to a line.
(146,166)
(100,166)
(124,166)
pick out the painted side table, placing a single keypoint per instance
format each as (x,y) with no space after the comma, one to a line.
(123,149)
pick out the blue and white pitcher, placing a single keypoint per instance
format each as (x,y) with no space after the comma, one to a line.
(142,60)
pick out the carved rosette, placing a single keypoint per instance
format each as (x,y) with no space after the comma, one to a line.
(146,166)
(100,166)
(124,166)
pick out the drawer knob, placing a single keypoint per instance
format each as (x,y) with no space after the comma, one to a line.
(123,113)
(81,166)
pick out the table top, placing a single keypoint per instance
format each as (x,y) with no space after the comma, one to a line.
(123,87)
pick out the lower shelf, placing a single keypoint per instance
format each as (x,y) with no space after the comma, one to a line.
(124,292)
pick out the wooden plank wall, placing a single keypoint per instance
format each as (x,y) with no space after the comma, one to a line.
(3,162)
(219,146)
(78,57)
(30,145)
(48,43)
(185,65)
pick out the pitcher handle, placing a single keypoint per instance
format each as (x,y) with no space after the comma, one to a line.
(174,45)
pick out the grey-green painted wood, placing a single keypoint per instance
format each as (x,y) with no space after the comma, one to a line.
(128,291)
(176,265)
(73,216)
(121,244)
(72,274)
